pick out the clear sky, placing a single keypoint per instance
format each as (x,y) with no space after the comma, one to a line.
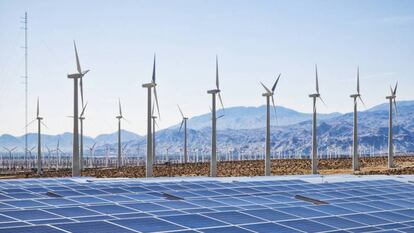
(254,40)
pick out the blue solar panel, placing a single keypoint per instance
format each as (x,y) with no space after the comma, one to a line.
(270,228)
(261,206)
(147,224)
(93,227)
(194,221)
(234,217)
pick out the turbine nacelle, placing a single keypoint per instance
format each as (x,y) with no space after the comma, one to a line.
(316,95)
(214,91)
(149,85)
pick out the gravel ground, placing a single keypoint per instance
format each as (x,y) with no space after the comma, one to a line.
(369,166)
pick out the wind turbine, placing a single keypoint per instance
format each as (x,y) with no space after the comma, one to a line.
(355,155)
(184,122)
(391,98)
(269,94)
(119,117)
(91,150)
(76,77)
(10,153)
(214,92)
(315,96)
(150,86)
(39,138)
(81,118)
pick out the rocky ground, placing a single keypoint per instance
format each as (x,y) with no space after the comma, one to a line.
(369,166)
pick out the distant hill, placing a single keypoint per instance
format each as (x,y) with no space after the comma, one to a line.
(252,118)
(242,129)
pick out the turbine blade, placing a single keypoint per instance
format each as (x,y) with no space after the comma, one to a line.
(31,122)
(156,124)
(81,89)
(41,122)
(180,111)
(156,101)
(120,109)
(220,116)
(358,80)
(77,59)
(126,120)
(37,108)
(182,122)
(395,89)
(14,148)
(83,109)
(221,101)
(317,81)
(360,98)
(153,69)
(274,107)
(267,89)
(396,110)
(274,85)
(152,109)
(322,101)
(217,75)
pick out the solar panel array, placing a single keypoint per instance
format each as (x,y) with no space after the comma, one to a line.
(65,205)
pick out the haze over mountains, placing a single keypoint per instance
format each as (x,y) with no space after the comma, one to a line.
(242,128)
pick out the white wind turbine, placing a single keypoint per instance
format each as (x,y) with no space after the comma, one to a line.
(314,97)
(269,94)
(355,155)
(91,151)
(39,138)
(119,117)
(214,92)
(76,77)
(391,99)
(150,86)
(184,123)
(10,151)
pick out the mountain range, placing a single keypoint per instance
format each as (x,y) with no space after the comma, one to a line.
(241,129)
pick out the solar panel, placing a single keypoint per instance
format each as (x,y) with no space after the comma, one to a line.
(206,206)
(147,224)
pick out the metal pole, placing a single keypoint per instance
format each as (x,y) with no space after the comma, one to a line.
(355,157)
(119,143)
(185,141)
(213,161)
(314,141)
(81,144)
(75,156)
(39,149)
(267,159)
(390,145)
(149,137)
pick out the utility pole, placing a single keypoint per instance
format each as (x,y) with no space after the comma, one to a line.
(26,88)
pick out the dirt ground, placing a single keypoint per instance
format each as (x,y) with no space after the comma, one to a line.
(369,166)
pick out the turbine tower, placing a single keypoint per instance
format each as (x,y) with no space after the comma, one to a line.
(391,99)
(355,155)
(76,77)
(214,92)
(269,94)
(314,97)
(150,86)
(39,137)
(81,118)
(119,117)
(184,122)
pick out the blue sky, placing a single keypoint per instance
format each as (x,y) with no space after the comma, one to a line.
(255,40)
